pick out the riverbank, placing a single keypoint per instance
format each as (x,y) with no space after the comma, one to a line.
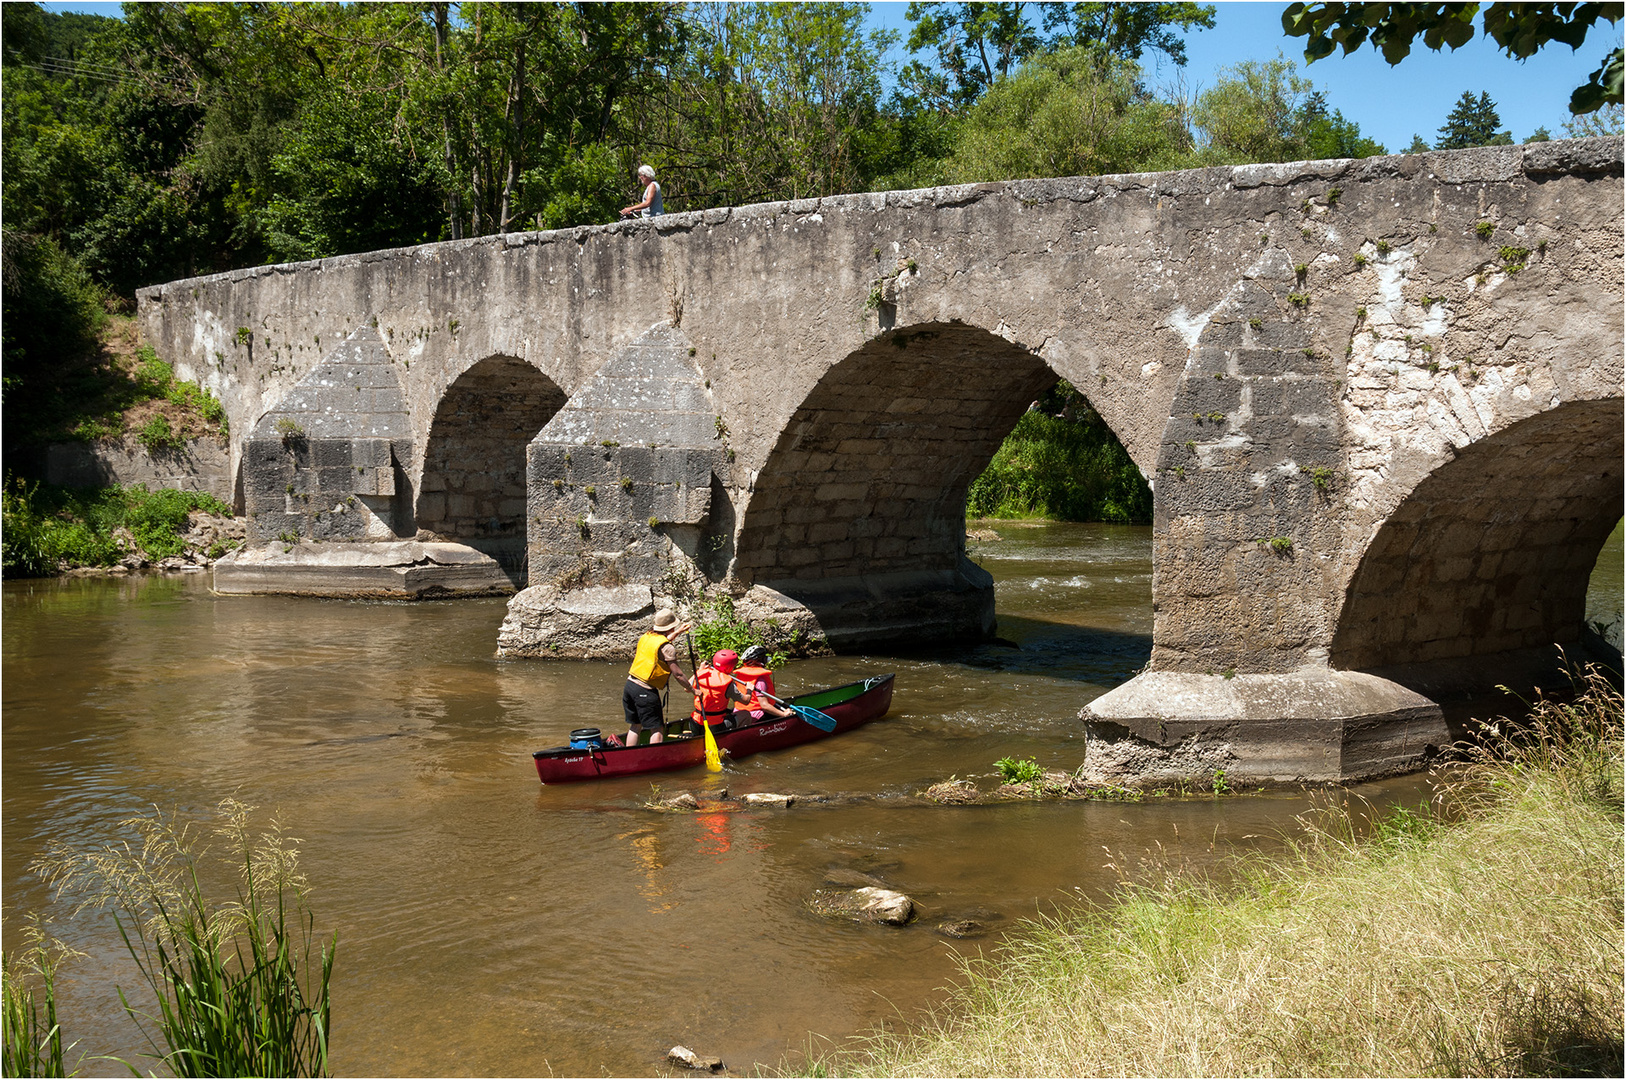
(1478,935)
(53,530)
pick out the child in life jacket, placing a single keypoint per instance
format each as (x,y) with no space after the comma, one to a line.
(756,681)
(714,689)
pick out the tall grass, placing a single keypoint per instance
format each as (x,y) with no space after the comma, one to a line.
(1069,470)
(33,1038)
(48,529)
(1479,935)
(239,988)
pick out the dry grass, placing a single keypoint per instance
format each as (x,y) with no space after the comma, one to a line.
(1489,945)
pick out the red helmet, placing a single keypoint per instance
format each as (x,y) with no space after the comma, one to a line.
(724,660)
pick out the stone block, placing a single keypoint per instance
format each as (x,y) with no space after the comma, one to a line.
(1261,362)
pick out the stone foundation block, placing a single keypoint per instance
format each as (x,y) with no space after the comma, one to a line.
(401,570)
(1310,725)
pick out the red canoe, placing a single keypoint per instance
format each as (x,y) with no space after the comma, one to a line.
(849,706)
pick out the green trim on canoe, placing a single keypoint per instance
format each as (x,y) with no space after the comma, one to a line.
(826,698)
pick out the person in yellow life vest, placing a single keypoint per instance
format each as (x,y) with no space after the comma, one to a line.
(654,660)
(714,689)
(756,681)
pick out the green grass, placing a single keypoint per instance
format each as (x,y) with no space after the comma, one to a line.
(49,529)
(239,987)
(33,1038)
(1478,935)
(1066,470)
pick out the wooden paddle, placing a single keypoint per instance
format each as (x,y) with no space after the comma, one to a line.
(810,715)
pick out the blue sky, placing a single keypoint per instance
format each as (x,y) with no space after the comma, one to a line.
(1390,103)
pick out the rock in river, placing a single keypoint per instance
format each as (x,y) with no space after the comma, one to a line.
(682,1055)
(868,904)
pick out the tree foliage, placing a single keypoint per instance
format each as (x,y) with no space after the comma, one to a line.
(1473,122)
(1520,29)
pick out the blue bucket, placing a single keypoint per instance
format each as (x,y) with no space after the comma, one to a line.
(586,738)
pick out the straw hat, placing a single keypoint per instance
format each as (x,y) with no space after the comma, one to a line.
(665,621)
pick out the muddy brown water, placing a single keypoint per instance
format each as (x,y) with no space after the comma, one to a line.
(491,926)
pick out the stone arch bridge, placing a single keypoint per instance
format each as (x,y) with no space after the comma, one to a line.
(1379,401)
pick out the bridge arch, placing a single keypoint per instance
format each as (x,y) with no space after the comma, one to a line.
(1489,554)
(473,484)
(859,509)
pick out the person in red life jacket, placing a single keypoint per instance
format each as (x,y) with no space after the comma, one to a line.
(714,689)
(756,681)
(654,660)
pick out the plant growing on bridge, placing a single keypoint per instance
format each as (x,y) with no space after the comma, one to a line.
(1513,258)
(1281,545)
(1383,247)
(1484,229)
(1298,299)
(158,434)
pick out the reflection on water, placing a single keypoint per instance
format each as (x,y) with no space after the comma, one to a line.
(489,925)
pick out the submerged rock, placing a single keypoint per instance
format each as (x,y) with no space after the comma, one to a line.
(951,791)
(847,878)
(763,798)
(867,904)
(962,928)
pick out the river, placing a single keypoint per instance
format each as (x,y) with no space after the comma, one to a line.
(491,926)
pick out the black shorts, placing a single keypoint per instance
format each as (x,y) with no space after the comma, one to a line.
(643,708)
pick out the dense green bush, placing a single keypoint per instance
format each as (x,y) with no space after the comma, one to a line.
(1069,470)
(48,529)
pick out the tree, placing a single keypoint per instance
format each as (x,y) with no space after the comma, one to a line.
(1521,29)
(1472,123)
(978,43)
(975,44)
(1267,111)
(1419,145)
(1125,30)
(1541,134)
(1330,135)
(770,101)
(1072,112)
(1606,121)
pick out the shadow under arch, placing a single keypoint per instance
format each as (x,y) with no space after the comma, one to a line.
(859,510)
(1489,557)
(473,486)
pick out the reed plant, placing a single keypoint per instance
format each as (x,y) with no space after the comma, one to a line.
(33,1038)
(1477,934)
(240,988)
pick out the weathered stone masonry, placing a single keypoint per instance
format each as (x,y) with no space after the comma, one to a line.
(1380,402)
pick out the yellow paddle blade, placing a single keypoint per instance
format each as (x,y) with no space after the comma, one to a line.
(714,760)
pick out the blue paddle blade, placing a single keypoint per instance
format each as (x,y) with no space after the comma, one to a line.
(814,717)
